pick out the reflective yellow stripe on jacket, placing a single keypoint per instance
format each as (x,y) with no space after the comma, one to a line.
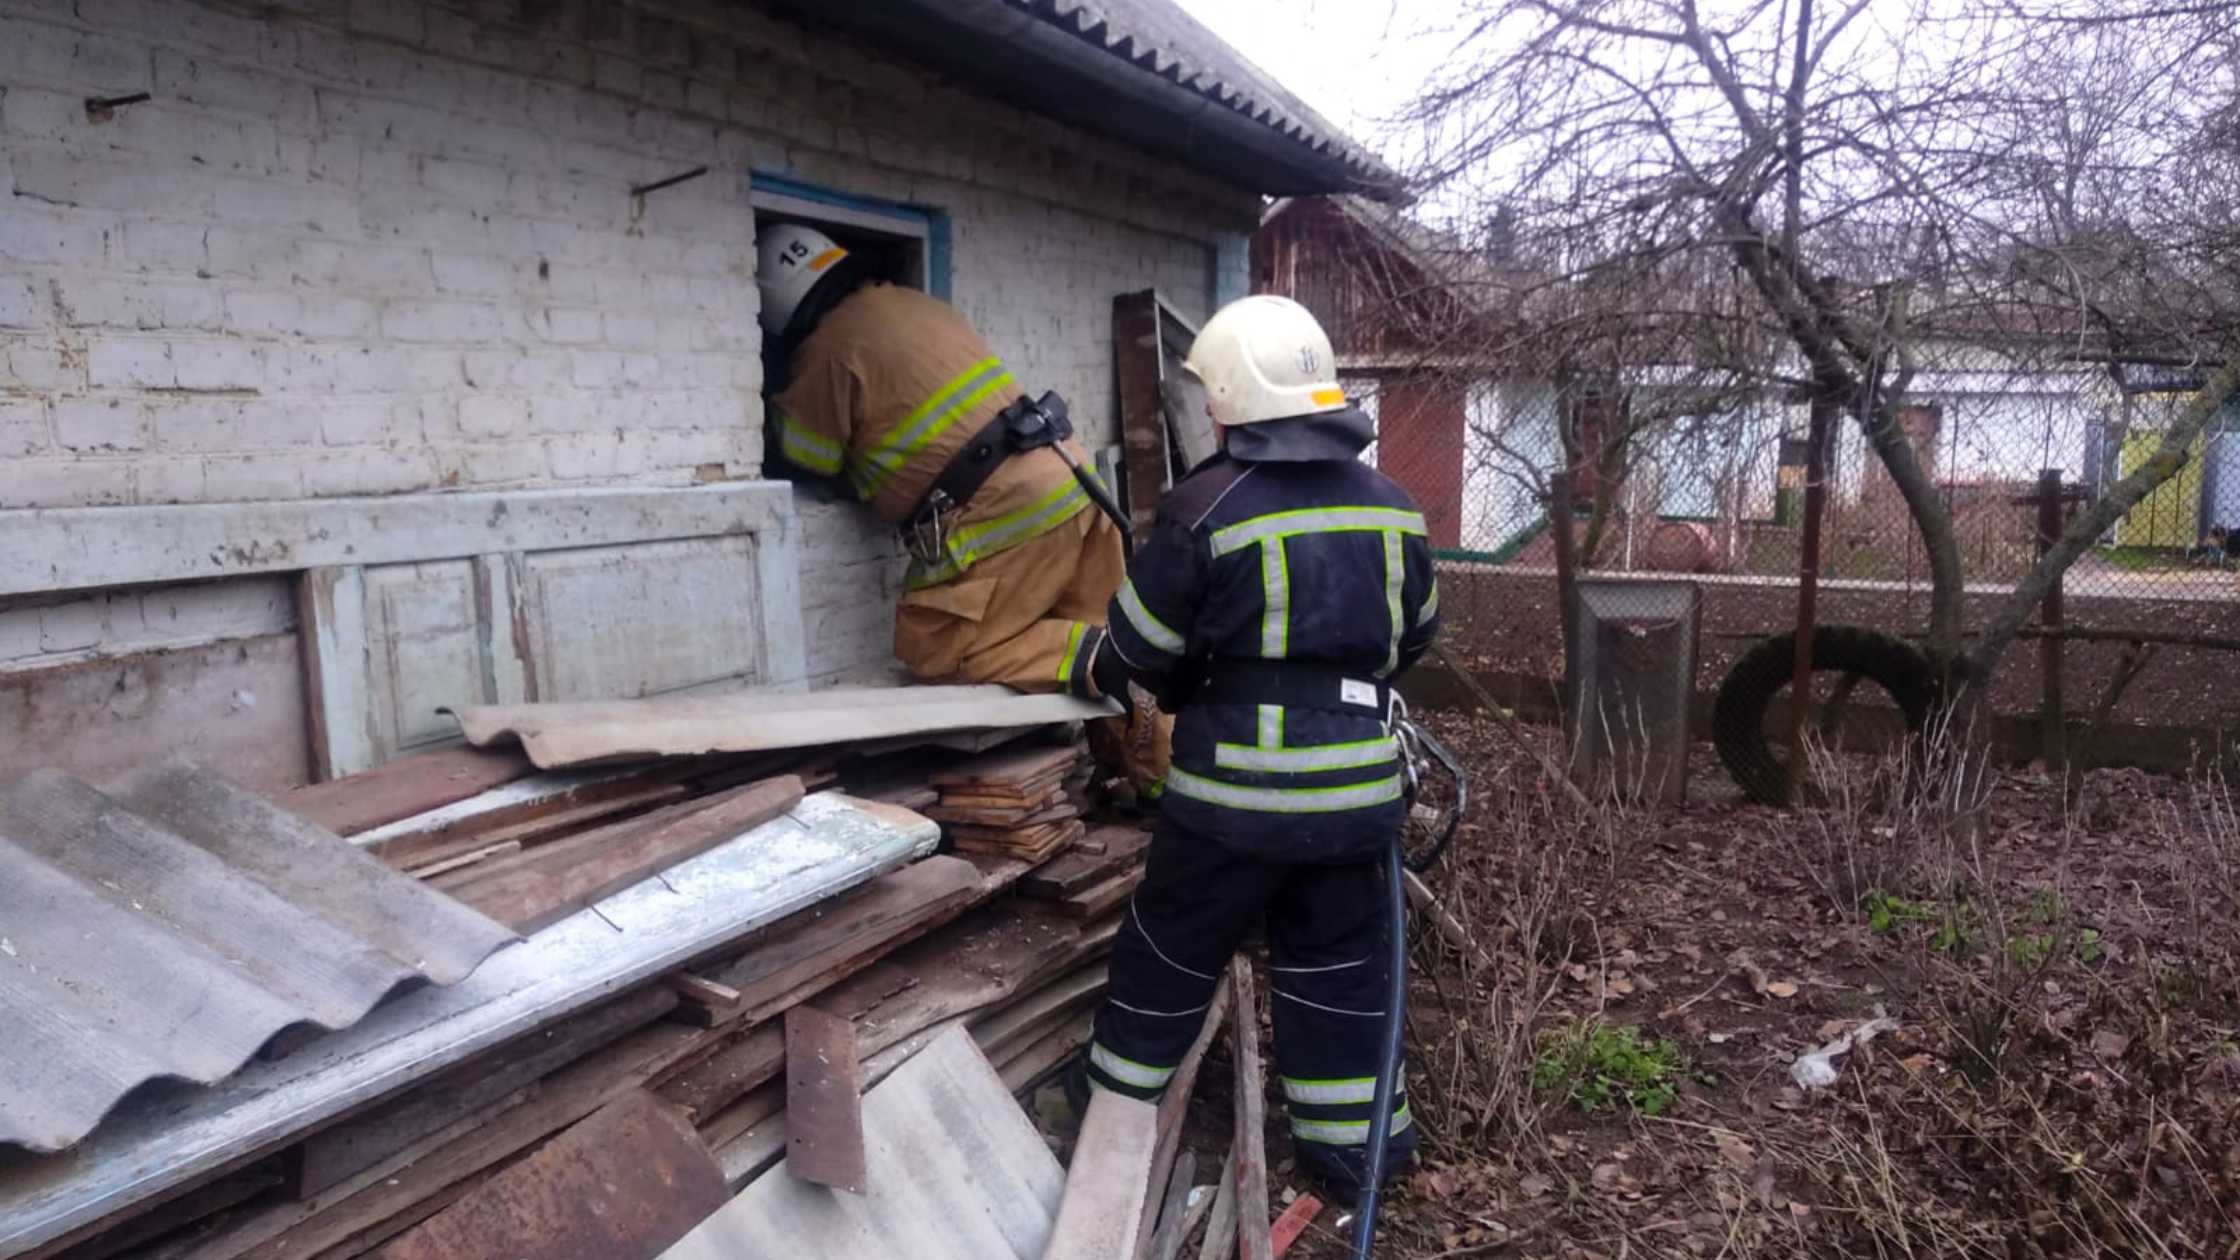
(927,422)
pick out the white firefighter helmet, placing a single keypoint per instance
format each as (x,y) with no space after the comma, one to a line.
(790,260)
(1264,358)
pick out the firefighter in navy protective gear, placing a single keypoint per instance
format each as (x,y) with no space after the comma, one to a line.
(1284,587)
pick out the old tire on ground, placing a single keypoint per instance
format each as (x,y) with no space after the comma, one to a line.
(1738,718)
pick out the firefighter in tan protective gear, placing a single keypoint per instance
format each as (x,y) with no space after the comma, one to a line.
(1011,564)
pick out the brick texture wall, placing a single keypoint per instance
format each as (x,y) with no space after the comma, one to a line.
(376,246)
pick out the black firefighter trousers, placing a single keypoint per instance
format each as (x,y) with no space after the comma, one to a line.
(1328,964)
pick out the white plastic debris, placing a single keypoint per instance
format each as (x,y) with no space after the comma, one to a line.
(1817,1069)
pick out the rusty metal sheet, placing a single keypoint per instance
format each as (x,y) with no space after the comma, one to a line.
(169,928)
(824,1100)
(561,735)
(623,1184)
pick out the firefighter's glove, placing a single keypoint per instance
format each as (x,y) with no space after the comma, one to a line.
(1098,671)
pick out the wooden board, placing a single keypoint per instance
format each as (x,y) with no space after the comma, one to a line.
(1172,1209)
(443,1173)
(985,958)
(1102,899)
(827,938)
(1008,768)
(1221,1227)
(527,821)
(544,885)
(461,861)
(924,1201)
(824,1117)
(1035,846)
(1250,1153)
(1102,1212)
(1174,1105)
(1000,1024)
(203,1202)
(404,787)
(1116,848)
(1045,1056)
(335,1154)
(1022,813)
(623,1184)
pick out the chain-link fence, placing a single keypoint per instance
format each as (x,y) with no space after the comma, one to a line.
(1673,480)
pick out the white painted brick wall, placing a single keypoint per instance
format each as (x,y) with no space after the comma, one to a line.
(377,246)
(37,635)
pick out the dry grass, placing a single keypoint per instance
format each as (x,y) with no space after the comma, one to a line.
(2064,1079)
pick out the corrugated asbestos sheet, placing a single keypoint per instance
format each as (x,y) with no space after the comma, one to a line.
(561,735)
(168,928)
(1160,37)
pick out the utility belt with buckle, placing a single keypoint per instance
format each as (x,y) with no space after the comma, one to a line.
(1292,684)
(1028,424)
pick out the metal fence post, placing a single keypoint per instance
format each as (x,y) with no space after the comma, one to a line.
(2049,648)
(1808,587)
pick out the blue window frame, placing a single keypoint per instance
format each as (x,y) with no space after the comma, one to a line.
(779,194)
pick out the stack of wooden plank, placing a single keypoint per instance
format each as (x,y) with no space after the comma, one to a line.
(940,943)
(1014,804)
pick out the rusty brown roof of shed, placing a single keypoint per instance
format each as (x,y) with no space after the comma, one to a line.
(169,927)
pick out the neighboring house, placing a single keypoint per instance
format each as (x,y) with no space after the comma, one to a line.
(1403,306)
(280,283)
(1416,316)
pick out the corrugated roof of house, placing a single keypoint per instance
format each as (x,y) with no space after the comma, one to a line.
(1158,36)
(1141,71)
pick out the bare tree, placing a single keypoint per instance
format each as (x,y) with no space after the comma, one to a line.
(1803,200)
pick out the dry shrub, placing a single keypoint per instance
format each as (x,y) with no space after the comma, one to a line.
(1522,865)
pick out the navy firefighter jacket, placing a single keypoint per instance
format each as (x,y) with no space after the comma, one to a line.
(1283,548)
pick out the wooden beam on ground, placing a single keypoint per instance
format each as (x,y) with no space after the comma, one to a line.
(1221,1227)
(537,888)
(1172,1209)
(1201,1203)
(1251,1150)
(623,1184)
(1174,1105)
(1102,1212)
(824,1096)
(404,787)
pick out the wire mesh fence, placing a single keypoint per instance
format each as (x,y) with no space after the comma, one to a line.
(1714,490)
